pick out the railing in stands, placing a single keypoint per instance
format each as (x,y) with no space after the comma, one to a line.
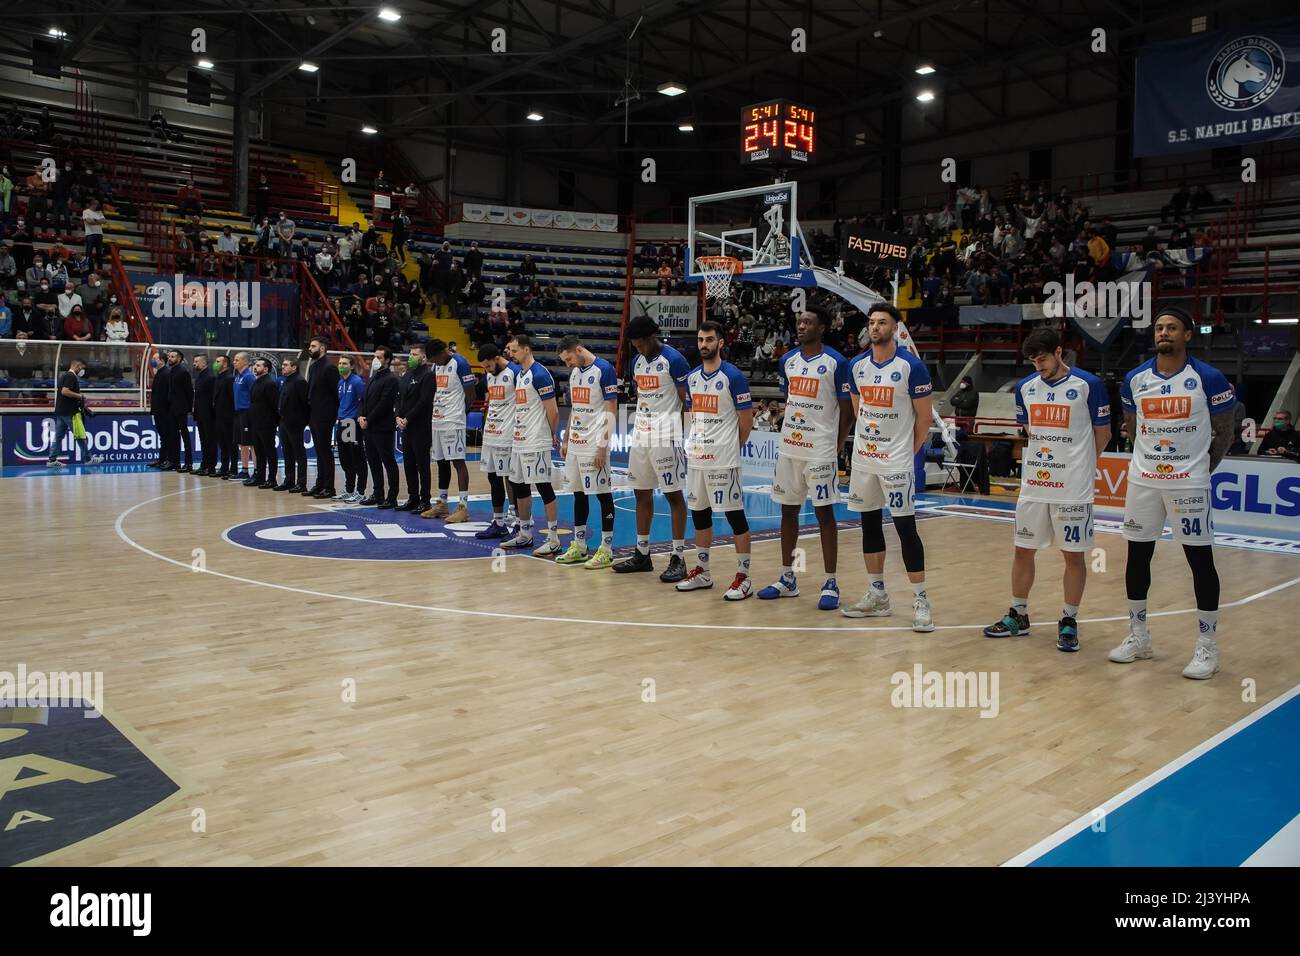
(316,313)
(979,338)
(429,204)
(126,295)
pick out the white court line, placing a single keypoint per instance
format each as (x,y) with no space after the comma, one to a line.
(1078,826)
(1281,849)
(842,628)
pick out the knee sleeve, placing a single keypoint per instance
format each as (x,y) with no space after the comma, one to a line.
(581,509)
(606,511)
(1205,578)
(702,520)
(873,532)
(739,523)
(519,492)
(913,549)
(547,492)
(1137,569)
(444,474)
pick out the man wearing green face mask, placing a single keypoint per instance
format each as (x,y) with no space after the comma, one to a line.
(1282,441)
(415,419)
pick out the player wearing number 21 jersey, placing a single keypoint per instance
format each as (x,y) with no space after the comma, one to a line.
(722,415)
(1066,417)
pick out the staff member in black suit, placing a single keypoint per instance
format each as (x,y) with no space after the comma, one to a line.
(223,417)
(205,384)
(180,395)
(293,419)
(378,422)
(160,406)
(415,419)
(264,416)
(323,411)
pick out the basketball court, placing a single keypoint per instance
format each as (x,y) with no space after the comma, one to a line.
(313,683)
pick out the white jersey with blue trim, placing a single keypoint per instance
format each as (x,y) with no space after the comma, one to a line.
(533,386)
(716,399)
(883,436)
(452,379)
(589,389)
(658,402)
(499,418)
(813,387)
(1060,458)
(1172,446)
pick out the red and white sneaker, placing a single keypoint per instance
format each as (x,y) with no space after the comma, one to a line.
(740,589)
(697,580)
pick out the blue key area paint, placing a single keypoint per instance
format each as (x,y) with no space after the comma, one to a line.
(1216,810)
(369,534)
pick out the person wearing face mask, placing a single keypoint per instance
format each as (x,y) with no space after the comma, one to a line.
(94,297)
(241,394)
(379,423)
(1282,441)
(160,405)
(46,301)
(180,395)
(223,417)
(293,419)
(323,402)
(205,384)
(966,401)
(76,327)
(68,402)
(115,328)
(264,414)
(34,272)
(415,420)
(348,436)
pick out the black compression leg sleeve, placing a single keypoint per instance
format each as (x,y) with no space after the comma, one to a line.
(1205,579)
(702,520)
(581,509)
(739,523)
(606,511)
(873,532)
(547,492)
(498,486)
(1137,569)
(913,549)
(444,474)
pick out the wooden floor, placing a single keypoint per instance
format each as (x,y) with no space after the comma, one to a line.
(517,717)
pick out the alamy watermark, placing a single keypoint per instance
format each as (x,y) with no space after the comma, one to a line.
(946,689)
(1118,299)
(24,688)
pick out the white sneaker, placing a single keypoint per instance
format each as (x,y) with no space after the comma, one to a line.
(95,460)
(1205,660)
(922,616)
(741,588)
(519,540)
(551,547)
(1135,647)
(55,464)
(874,603)
(355,497)
(698,579)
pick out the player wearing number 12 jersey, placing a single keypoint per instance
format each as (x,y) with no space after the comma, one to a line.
(818,415)
(891,399)
(1179,413)
(1066,417)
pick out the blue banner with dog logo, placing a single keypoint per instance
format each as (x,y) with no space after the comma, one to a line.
(1218,89)
(191,310)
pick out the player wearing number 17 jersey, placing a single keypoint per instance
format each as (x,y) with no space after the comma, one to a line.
(593,395)
(1066,417)
(891,398)
(1179,413)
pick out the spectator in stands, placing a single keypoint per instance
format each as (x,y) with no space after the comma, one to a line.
(76,327)
(162,129)
(92,221)
(324,262)
(228,247)
(261,199)
(1282,440)
(1099,252)
(29,322)
(38,202)
(60,193)
(401,223)
(284,230)
(8,266)
(1177,203)
(116,329)
(368,238)
(36,271)
(68,298)
(343,254)
(528,269)
(382,185)
(966,400)
(265,235)
(6,194)
(474,261)
(649,255)
(6,320)
(189,201)
(45,131)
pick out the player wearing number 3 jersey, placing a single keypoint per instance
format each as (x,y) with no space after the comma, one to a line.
(1179,413)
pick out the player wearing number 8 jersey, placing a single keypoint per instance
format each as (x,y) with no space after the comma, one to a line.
(891,400)
(722,415)
(656,458)
(1066,418)
(1179,413)
(818,415)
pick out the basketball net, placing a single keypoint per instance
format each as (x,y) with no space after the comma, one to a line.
(718,272)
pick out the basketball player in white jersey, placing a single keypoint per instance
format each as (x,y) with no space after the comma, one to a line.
(722,415)
(656,458)
(891,400)
(456,386)
(593,400)
(536,416)
(818,416)
(1066,416)
(1179,413)
(498,435)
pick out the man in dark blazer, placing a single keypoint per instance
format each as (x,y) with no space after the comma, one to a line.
(378,421)
(205,384)
(323,411)
(223,417)
(180,396)
(160,406)
(264,416)
(415,419)
(293,419)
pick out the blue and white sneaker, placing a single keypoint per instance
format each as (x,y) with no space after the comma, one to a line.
(492,532)
(1067,635)
(830,599)
(785,586)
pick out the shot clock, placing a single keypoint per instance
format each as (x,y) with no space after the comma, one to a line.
(777,133)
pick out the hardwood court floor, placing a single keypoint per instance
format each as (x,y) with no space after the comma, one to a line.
(238,685)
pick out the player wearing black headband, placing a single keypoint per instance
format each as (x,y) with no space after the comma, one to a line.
(1179,412)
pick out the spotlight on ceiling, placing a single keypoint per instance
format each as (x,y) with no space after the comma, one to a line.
(308,67)
(924,70)
(671,88)
(204,64)
(535,116)
(389,14)
(925,96)
(369,130)
(687,127)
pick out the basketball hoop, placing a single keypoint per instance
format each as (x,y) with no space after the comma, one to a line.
(718,272)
